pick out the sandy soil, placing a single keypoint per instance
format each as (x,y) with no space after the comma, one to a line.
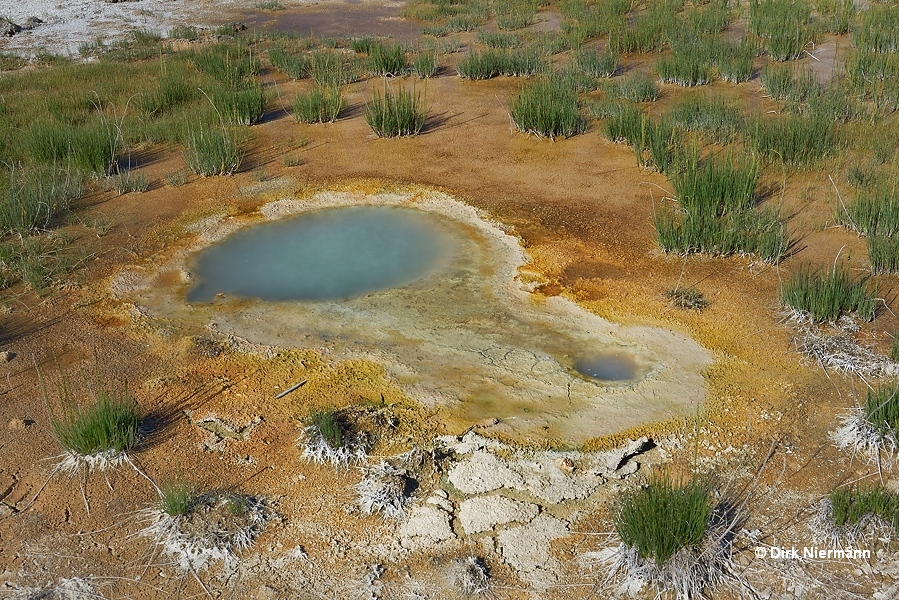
(581,208)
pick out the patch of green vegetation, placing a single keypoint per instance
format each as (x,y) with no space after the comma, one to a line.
(714,116)
(894,347)
(835,15)
(425,63)
(513,14)
(127,181)
(493,63)
(295,65)
(796,140)
(827,296)
(635,87)
(37,260)
(734,61)
(649,31)
(784,24)
(30,197)
(213,151)
(319,105)
(329,425)
(499,39)
(664,516)
(388,60)
(229,63)
(110,423)
(596,64)
(852,506)
(332,69)
(240,104)
(878,29)
(177,498)
(395,113)
(716,211)
(688,65)
(547,108)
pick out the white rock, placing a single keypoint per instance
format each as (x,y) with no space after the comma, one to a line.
(427,526)
(526,548)
(483,513)
(440,502)
(483,472)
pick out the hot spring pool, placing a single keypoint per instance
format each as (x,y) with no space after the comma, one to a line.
(330,254)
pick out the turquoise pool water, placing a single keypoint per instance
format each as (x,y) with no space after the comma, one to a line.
(330,254)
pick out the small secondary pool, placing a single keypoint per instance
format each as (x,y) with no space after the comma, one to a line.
(330,254)
(612,366)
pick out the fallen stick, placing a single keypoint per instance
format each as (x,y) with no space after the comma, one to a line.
(290,389)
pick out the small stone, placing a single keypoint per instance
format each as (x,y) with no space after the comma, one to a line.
(16,425)
(8,28)
(489,422)
(32,22)
(427,526)
(566,465)
(6,510)
(440,493)
(7,356)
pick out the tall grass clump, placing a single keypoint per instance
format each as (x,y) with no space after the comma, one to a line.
(675,537)
(688,65)
(174,88)
(177,498)
(782,82)
(109,426)
(240,104)
(230,64)
(827,296)
(716,211)
(649,32)
(734,61)
(547,108)
(796,140)
(293,64)
(425,63)
(878,30)
(713,116)
(874,210)
(853,507)
(664,517)
(388,60)
(395,113)
(212,151)
(327,68)
(499,39)
(318,105)
(493,63)
(623,124)
(596,64)
(92,146)
(514,14)
(710,19)
(835,15)
(882,410)
(636,88)
(31,196)
(784,24)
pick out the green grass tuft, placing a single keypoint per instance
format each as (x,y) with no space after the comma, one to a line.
(328,423)
(547,108)
(213,151)
(319,105)
(826,297)
(664,516)
(636,88)
(395,113)
(110,424)
(852,506)
(177,498)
